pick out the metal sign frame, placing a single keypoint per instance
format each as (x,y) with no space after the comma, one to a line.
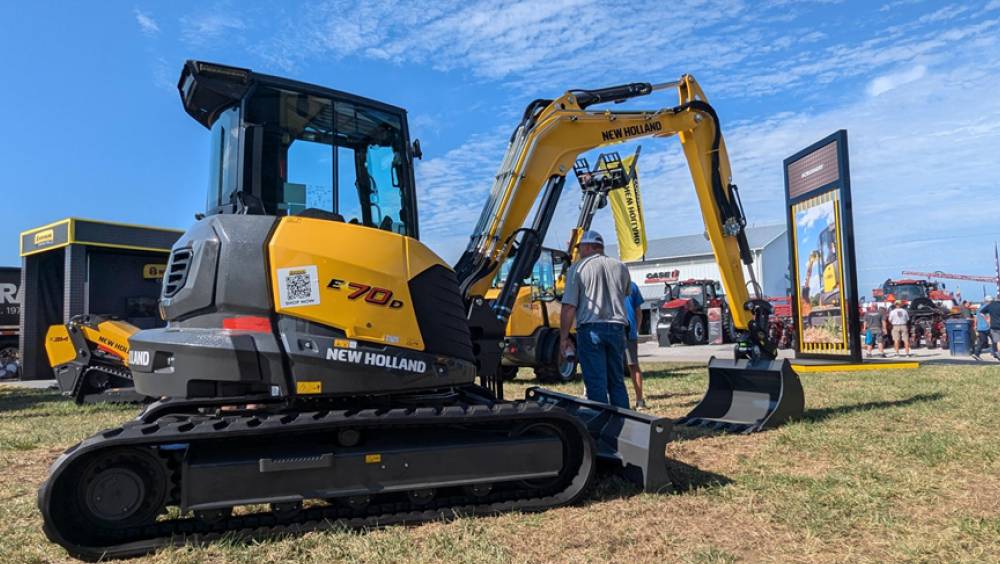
(818,178)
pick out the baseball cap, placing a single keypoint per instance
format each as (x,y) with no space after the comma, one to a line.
(592,238)
(988,299)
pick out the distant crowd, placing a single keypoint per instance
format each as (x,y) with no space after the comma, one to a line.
(893,321)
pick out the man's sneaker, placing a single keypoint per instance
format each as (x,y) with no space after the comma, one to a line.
(640,405)
(977,357)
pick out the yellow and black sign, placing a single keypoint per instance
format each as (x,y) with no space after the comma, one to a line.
(46,237)
(305,387)
(72,231)
(626,208)
(153,271)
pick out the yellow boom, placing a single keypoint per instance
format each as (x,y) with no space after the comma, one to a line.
(546,144)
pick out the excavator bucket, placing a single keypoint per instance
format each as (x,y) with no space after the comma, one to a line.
(632,444)
(746,396)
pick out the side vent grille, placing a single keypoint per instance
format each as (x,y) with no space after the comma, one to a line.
(177,271)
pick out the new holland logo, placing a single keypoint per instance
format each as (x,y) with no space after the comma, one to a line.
(631,131)
(44,237)
(138,358)
(376,359)
(114,345)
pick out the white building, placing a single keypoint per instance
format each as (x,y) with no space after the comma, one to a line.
(690,256)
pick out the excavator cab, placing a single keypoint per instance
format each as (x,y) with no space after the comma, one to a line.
(281,147)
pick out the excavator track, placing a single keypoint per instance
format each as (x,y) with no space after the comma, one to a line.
(86,392)
(106,496)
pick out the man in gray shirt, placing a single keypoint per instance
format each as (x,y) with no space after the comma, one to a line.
(874,329)
(594,298)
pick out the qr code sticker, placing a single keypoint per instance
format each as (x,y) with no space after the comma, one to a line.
(298,286)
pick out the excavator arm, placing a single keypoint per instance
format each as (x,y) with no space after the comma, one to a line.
(746,394)
(544,148)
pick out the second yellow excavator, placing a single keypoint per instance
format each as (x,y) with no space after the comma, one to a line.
(321,362)
(532,334)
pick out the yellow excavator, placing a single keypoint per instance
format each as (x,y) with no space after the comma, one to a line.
(822,306)
(531,338)
(89,357)
(532,334)
(320,362)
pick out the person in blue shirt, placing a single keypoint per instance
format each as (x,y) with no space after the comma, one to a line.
(987,326)
(633,310)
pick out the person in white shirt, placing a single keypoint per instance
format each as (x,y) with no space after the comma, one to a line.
(899,318)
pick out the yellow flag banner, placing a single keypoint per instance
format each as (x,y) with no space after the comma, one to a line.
(626,208)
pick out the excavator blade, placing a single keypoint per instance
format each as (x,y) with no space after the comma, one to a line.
(633,444)
(746,396)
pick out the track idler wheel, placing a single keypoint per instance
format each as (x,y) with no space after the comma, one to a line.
(548,429)
(121,488)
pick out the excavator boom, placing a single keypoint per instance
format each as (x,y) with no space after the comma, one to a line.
(544,148)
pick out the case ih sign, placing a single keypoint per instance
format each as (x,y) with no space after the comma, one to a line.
(660,277)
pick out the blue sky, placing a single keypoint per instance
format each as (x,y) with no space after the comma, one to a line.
(93,126)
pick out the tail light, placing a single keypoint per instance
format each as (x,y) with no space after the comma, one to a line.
(254,324)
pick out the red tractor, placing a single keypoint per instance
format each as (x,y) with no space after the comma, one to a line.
(928,304)
(781,325)
(683,312)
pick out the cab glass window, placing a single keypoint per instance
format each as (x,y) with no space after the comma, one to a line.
(543,277)
(337,157)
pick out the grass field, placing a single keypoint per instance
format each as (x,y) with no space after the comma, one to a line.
(885,466)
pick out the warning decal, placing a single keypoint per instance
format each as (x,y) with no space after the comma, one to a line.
(298,286)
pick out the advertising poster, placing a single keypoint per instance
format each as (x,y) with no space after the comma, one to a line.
(820,282)
(821,251)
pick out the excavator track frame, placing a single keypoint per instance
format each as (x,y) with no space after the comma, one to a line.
(164,436)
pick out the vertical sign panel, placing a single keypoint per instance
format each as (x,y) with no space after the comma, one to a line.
(821,249)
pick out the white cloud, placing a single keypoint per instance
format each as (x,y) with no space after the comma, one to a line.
(816,213)
(530,46)
(206,28)
(882,84)
(897,4)
(993,5)
(146,23)
(948,12)
(452,188)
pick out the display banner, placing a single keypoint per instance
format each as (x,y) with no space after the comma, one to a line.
(626,208)
(821,251)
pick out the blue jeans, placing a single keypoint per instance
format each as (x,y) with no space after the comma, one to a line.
(601,350)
